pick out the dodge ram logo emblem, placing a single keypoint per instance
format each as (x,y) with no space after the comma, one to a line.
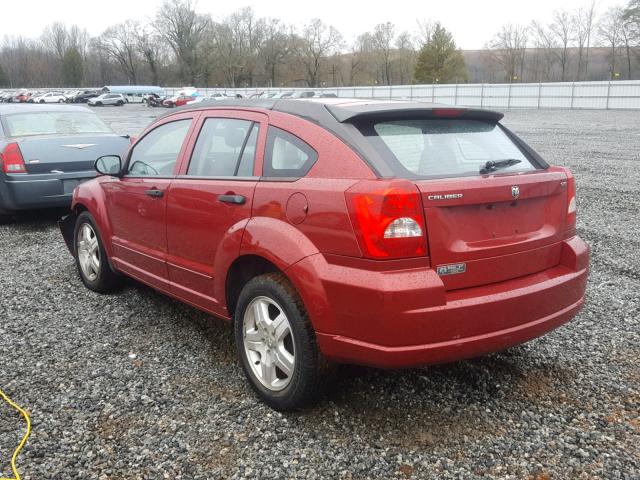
(515,191)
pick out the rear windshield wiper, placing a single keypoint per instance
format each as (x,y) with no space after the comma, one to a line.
(493,165)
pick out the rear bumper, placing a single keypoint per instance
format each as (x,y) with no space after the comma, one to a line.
(405,318)
(24,192)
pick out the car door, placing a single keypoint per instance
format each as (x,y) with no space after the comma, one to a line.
(209,203)
(136,202)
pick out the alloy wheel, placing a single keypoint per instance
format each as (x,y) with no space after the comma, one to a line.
(88,250)
(268,343)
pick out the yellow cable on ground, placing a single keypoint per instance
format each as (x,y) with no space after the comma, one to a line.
(24,439)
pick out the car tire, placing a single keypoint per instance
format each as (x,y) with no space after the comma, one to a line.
(41,101)
(98,104)
(280,358)
(91,258)
(120,103)
(61,101)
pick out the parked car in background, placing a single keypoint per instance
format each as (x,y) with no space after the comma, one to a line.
(282,95)
(153,100)
(46,150)
(388,234)
(116,99)
(70,94)
(50,97)
(5,95)
(178,101)
(85,95)
(23,97)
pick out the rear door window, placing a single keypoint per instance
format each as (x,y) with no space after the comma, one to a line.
(422,148)
(226,147)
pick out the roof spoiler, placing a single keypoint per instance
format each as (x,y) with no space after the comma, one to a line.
(349,113)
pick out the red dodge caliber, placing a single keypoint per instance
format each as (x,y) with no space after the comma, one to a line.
(390,234)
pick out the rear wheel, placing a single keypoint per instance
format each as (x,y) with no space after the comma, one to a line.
(120,103)
(91,258)
(61,101)
(99,104)
(276,343)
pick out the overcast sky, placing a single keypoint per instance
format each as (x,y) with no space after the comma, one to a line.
(472,22)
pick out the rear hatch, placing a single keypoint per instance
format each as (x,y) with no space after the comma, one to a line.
(488,229)
(68,153)
(494,209)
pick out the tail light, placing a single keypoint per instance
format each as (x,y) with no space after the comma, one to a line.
(571,205)
(388,219)
(12,161)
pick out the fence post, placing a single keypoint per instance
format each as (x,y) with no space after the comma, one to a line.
(411,92)
(509,96)
(608,93)
(373,93)
(573,89)
(433,93)
(455,98)
(482,96)
(539,94)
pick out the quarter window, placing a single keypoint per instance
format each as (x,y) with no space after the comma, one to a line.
(226,147)
(286,155)
(156,154)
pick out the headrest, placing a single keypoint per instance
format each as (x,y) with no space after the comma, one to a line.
(234,137)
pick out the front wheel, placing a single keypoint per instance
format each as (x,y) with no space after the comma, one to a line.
(120,103)
(276,343)
(91,258)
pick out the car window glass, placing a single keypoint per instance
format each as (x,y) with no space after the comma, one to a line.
(156,154)
(287,155)
(225,148)
(443,147)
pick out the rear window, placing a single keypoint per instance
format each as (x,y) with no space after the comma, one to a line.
(54,123)
(422,148)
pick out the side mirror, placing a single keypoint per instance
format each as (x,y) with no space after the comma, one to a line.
(109,165)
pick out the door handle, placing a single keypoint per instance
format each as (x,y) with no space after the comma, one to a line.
(155,193)
(230,198)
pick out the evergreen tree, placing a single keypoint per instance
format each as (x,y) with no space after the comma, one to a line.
(4,78)
(439,60)
(72,67)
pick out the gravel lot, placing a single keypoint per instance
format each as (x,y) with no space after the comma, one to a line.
(135,385)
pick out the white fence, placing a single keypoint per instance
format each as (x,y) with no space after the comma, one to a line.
(567,95)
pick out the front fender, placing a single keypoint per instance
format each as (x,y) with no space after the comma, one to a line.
(90,196)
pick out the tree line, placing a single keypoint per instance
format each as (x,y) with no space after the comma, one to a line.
(180,46)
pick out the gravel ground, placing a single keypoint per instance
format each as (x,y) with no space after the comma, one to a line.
(135,385)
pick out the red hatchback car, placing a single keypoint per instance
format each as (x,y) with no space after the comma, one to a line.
(390,234)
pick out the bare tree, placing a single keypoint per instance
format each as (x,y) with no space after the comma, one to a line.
(316,43)
(510,46)
(405,57)
(120,42)
(610,34)
(275,48)
(55,38)
(583,20)
(383,36)
(149,45)
(562,28)
(545,44)
(184,30)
